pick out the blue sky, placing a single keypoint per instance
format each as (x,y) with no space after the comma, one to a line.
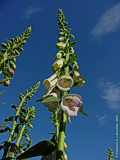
(97,25)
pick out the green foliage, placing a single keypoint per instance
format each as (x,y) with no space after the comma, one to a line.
(8,54)
(42,148)
(20,123)
(66,52)
(29,93)
(66,73)
(110,154)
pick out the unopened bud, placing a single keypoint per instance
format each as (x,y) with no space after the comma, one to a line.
(61,45)
(76,75)
(11,71)
(58,64)
(61,38)
(7,83)
(59,55)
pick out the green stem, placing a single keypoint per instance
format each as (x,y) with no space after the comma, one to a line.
(14,122)
(56,125)
(61,138)
(62,132)
(22,131)
(5,57)
(6,153)
(57,131)
(67,71)
(20,135)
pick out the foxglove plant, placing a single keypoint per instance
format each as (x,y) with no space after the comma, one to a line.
(18,125)
(60,102)
(57,98)
(9,51)
(110,154)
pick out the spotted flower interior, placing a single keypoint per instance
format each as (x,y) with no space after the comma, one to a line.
(72,104)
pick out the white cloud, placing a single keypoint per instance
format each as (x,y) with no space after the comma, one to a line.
(108,22)
(32,10)
(110,94)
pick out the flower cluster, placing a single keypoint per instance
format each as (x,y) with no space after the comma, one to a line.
(9,52)
(66,75)
(18,126)
(58,98)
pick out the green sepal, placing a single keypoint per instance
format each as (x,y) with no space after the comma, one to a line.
(49,99)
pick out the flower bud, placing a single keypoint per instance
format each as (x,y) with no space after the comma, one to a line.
(59,55)
(64,83)
(7,83)
(75,66)
(79,82)
(61,38)
(62,33)
(13,64)
(58,64)
(30,125)
(72,50)
(61,45)
(76,74)
(11,71)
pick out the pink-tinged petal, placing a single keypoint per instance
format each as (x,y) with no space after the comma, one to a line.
(72,104)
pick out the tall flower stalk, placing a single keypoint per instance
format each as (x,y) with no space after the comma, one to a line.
(9,51)
(57,97)
(66,75)
(110,154)
(18,136)
(16,130)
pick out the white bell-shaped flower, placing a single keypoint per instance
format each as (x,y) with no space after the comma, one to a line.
(64,83)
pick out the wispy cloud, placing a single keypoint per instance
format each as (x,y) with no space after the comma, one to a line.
(108,22)
(32,10)
(110,93)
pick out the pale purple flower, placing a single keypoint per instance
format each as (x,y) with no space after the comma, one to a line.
(72,104)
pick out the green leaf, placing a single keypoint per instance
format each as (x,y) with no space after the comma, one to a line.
(9,119)
(49,99)
(40,149)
